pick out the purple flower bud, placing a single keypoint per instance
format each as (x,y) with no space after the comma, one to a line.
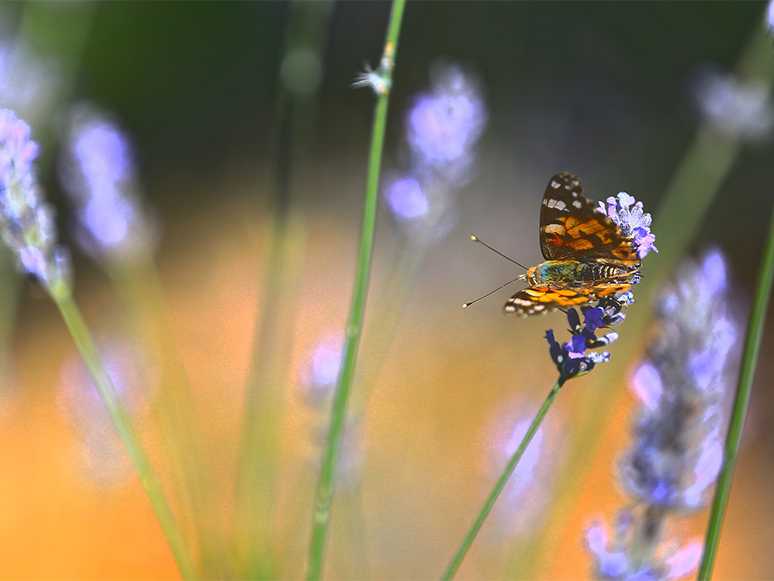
(593,318)
(27,221)
(576,348)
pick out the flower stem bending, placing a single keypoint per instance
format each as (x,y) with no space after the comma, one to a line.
(752,346)
(107,391)
(463,549)
(322,509)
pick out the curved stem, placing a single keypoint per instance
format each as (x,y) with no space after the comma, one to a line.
(752,345)
(498,488)
(322,510)
(110,398)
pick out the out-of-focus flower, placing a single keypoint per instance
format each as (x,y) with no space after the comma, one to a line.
(523,500)
(318,375)
(770,17)
(407,200)
(27,221)
(97,171)
(320,370)
(613,561)
(102,453)
(443,125)
(739,107)
(29,85)
(677,450)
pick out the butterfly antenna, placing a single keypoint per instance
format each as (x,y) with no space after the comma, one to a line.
(466,305)
(477,239)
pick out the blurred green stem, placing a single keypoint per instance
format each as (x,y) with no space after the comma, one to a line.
(257,481)
(752,347)
(137,283)
(501,482)
(695,185)
(322,509)
(110,398)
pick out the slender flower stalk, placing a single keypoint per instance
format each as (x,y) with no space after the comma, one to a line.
(28,229)
(571,361)
(300,75)
(456,561)
(752,347)
(324,498)
(696,183)
(571,358)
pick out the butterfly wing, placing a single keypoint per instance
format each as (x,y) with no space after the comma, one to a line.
(541,299)
(572,227)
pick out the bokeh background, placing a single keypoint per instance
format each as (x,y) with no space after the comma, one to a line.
(609,91)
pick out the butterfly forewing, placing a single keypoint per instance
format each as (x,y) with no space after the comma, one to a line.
(572,227)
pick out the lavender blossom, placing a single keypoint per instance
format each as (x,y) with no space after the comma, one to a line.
(27,221)
(102,455)
(29,85)
(571,358)
(444,123)
(628,214)
(736,106)
(677,450)
(443,126)
(318,376)
(522,503)
(97,171)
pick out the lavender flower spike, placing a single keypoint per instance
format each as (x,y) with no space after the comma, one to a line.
(571,358)
(677,446)
(97,172)
(628,214)
(26,220)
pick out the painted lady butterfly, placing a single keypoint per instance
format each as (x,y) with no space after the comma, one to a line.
(587,256)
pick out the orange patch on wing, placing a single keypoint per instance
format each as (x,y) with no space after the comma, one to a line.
(581,244)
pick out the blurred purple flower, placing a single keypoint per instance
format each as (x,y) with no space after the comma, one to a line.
(444,123)
(407,200)
(320,370)
(612,561)
(97,171)
(318,374)
(27,221)
(677,452)
(443,126)
(737,106)
(103,456)
(523,501)
(29,85)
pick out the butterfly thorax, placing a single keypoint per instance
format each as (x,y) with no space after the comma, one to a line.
(575,273)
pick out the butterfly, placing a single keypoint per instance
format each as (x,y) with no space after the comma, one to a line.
(587,255)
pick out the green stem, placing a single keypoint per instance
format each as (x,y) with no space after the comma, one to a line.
(107,392)
(463,549)
(322,510)
(696,184)
(752,347)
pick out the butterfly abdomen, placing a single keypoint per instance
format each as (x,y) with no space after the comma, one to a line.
(572,272)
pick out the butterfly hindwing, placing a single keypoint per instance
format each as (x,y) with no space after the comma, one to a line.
(541,299)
